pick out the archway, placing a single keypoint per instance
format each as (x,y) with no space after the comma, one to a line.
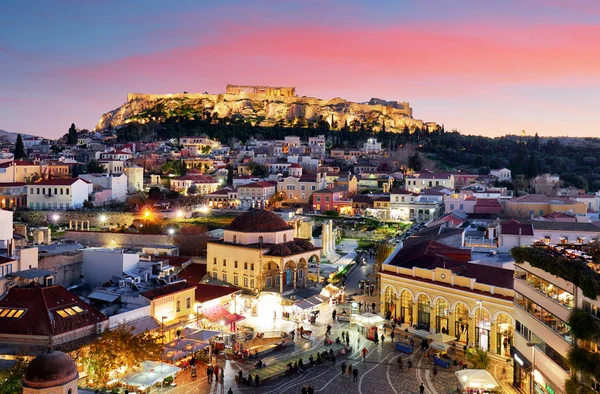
(441,316)
(423,312)
(483,324)
(461,322)
(270,275)
(288,274)
(314,261)
(302,273)
(406,304)
(504,333)
(390,300)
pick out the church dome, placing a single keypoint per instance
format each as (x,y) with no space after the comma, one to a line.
(50,369)
(259,221)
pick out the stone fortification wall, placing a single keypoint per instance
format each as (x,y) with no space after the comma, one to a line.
(117,240)
(40,218)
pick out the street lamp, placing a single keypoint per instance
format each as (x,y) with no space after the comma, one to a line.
(102,218)
(171,231)
(179,213)
(531,378)
(55,217)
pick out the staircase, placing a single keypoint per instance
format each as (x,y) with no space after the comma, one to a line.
(332,256)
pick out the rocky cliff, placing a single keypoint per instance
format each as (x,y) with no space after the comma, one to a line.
(263,110)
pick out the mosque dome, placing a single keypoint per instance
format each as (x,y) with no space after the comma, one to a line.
(50,369)
(259,221)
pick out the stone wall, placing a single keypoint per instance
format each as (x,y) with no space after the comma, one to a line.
(117,240)
(40,218)
(67,268)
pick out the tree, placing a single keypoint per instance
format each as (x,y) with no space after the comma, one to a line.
(192,190)
(259,170)
(415,161)
(117,348)
(20,148)
(383,251)
(95,167)
(11,381)
(155,193)
(532,169)
(478,358)
(72,136)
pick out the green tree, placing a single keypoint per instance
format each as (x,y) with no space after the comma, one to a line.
(532,169)
(383,251)
(415,161)
(478,358)
(95,167)
(259,170)
(11,380)
(20,148)
(72,136)
(117,348)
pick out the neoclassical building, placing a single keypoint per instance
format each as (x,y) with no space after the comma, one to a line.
(434,287)
(259,252)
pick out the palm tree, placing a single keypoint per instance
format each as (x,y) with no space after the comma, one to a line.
(479,359)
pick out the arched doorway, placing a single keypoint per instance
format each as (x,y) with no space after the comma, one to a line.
(270,275)
(391,297)
(289,270)
(406,303)
(484,327)
(441,316)
(461,322)
(301,272)
(423,312)
(504,333)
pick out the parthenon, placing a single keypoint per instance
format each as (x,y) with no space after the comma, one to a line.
(267,90)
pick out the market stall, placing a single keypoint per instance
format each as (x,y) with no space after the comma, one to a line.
(152,373)
(368,324)
(476,381)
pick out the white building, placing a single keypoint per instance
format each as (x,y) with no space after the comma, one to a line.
(256,195)
(100,265)
(61,194)
(503,174)
(199,145)
(135,177)
(29,142)
(116,183)
(372,146)
(112,166)
(121,155)
(426,179)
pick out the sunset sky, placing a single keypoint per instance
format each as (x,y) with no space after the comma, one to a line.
(489,67)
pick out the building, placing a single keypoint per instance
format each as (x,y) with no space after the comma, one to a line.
(51,372)
(538,204)
(426,179)
(202,164)
(256,194)
(203,184)
(135,177)
(171,303)
(274,91)
(298,187)
(435,288)
(47,315)
(259,252)
(406,205)
(544,300)
(503,174)
(372,146)
(13,195)
(113,167)
(117,184)
(59,194)
(197,146)
(100,265)
(332,199)
(223,198)
(121,155)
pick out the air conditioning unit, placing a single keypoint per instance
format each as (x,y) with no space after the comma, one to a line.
(122,284)
(99,328)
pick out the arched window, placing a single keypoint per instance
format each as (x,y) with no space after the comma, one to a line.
(252,267)
(260,239)
(235,239)
(246,266)
(284,237)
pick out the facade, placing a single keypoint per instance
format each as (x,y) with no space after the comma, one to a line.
(298,187)
(538,204)
(197,146)
(433,287)
(223,198)
(256,194)
(113,167)
(259,252)
(135,177)
(117,184)
(58,194)
(52,372)
(121,155)
(426,179)
(332,199)
(202,164)
(204,184)
(274,91)
(503,174)
(406,205)
(13,195)
(372,146)
(172,302)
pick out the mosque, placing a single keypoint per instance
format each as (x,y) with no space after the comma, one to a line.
(53,372)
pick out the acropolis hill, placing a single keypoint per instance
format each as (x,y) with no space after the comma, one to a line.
(264,106)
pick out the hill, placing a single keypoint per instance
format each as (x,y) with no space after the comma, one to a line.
(10,136)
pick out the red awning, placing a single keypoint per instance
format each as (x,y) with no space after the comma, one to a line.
(216,313)
(234,318)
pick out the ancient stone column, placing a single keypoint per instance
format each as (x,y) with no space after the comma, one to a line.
(70,225)
(294,277)
(281,274)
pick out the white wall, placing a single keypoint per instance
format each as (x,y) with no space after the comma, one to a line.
(100,265)
(129,316)
(6,229)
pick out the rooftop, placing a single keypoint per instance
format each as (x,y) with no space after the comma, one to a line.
(164,291)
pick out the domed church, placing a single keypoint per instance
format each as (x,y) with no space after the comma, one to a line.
(51,373)
(258,252)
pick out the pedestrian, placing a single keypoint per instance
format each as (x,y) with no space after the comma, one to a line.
(355,375)
(304,390)
(216,371)
(333,359)
(333,314)
(364,353)
(382,338)
(359,306)
(249,381)
(343,368)
(240,376)
(222,376)
(434,371)
(400,363)
(376,340)
(209,372)
(230,391)
(347,341)
(372,304)
(257,380)
(328,329)
(392,336)
(409,364)
(421,388)
(311,390)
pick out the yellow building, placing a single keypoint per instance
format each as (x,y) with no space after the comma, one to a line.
(433,287)
(541,205)
(259,252)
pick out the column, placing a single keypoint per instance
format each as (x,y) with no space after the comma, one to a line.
(70,225)
(432,317)
(331,236)
(472,330)
(294,278)
(493,337)
(318,272)
(305,277)
(451,323)
(88,225)
(76,225)
(281,273)
(415,313)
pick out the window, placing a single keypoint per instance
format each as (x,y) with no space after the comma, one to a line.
(66,312)
(313,187)
(318,198)
(215,260)
(62,191)
(251,283)
(224,277)
(31,191)
(302,187)
(38,190)
(224,263)
(215,276)
(245,265)
(235,240)
(235,264)
(284,237)
(326,198)
(452,207)
(67,191)
(260,239)
(178,306)
(188,303)
(11,313)
(245,281)
(235,280)
(268,282)
(546,318)
(252,267)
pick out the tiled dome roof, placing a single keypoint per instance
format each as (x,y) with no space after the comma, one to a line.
(49,370)
(258,221)
(304,244)
(290,248)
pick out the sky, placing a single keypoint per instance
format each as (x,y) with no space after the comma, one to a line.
(485,67)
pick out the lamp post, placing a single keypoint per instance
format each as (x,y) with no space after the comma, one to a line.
(531,383)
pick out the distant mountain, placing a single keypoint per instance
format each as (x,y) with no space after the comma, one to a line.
(12,137)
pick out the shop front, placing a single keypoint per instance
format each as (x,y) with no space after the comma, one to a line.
(521,371)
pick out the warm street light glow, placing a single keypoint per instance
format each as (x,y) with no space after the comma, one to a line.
(146,214)
(102,218)
(179,213)
(204,209)
(55,217)
(171,231)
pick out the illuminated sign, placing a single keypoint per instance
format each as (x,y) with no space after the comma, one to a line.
(518,359)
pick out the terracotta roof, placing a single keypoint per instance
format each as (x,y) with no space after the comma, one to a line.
(210,292)
(295,165)
(513,227)
(402,191)
(50,369)
(258,221)
(6,164)
(193,273)
(259,184)
(291,248)
(540,198)
(12,184)
(163,291)
(487,202)
(41,305)
(59,182)
(197,178)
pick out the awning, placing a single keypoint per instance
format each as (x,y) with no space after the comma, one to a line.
(235,317)
(309,302)
(476,379)
(216,313)
(442,347)
(329,291)
(419,333)
(102,296)
(152,373)
(139,326)
(439,337)
(368,319)
(203,335)
(31,273)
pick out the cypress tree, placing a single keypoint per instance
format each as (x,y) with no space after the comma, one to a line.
(20,148)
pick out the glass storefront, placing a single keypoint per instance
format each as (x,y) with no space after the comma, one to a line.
(484,327)
(406,303)
(546,288)
(441,316)
(548,319)
(461,322)
(390,300)
(424,312)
